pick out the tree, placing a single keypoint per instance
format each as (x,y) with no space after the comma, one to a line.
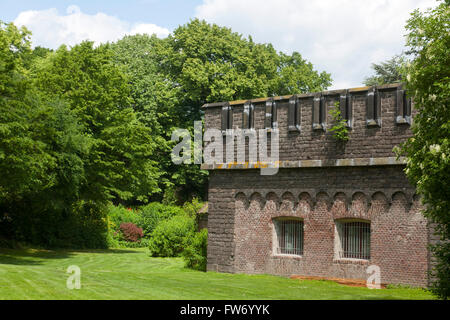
(200,62)
(42,147)
(389,71)
(119,165)
(24,162)
(154,98)
(296,75)
(209,63)
(428,151)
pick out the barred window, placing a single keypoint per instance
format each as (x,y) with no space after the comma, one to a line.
(354,239)
(289,235)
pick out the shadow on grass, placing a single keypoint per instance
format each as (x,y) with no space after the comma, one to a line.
(106,250)
(30,256)
(37,256)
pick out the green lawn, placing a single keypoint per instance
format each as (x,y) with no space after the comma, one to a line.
(132,274)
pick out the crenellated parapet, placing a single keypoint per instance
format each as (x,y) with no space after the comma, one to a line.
(378,118)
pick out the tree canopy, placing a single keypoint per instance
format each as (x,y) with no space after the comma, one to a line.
(86,125)
(428,152)
(389,71)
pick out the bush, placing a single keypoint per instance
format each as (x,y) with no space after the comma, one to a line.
(119,214)
(171,236)
(131,232)
(195,253)
(155,212)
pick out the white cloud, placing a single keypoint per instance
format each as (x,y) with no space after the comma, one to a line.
(51,29)
(341,37)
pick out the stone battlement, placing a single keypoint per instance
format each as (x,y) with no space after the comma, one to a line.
(378,119)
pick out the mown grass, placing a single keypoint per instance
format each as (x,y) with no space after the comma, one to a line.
(132,274)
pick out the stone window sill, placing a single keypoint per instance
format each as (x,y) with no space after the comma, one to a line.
(403,120)
(288,256)
(373,123)
(351,261)
(319,126)
(294,128)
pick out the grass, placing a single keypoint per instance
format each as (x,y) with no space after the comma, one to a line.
(132,274)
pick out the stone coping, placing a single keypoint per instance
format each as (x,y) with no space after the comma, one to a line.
(305,95)
(355,162)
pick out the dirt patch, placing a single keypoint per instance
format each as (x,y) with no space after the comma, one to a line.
(347,282)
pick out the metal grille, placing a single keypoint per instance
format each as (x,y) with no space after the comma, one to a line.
(290,237)
(356,240)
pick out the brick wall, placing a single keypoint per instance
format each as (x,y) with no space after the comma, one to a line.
(243,204)
(308,144)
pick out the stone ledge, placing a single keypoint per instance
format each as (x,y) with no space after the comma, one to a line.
(355,162)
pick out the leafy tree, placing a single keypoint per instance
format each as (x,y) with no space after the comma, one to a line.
(389,71)
(155,98)
(172,78)
(24,162)
(119,164)
(296,75)
(428,152)
(209,63)
(42,147)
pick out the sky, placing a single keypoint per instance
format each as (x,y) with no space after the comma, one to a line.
(342,37)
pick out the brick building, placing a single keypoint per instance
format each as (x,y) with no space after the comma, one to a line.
(334,208)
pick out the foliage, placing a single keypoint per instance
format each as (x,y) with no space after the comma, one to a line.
(25,162)
(428,151)
(131,232)
(69,141)
(97,91)
(146,217)
(211,63)
(156,100)
(339,128)
(84,126)
(120,214)
(170,236)
(296,75)
(389,71)
(170,79)
(191,208)
(195,254)
(42,152)
(153,213)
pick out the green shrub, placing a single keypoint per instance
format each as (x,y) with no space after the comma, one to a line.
(81,226)
(195,253)
(192,208)
(153,213)
(171,236)
(119,214)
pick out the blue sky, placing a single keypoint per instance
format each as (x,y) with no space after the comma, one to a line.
(342,37)
(165,13)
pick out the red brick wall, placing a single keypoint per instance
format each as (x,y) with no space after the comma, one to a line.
(241,229)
